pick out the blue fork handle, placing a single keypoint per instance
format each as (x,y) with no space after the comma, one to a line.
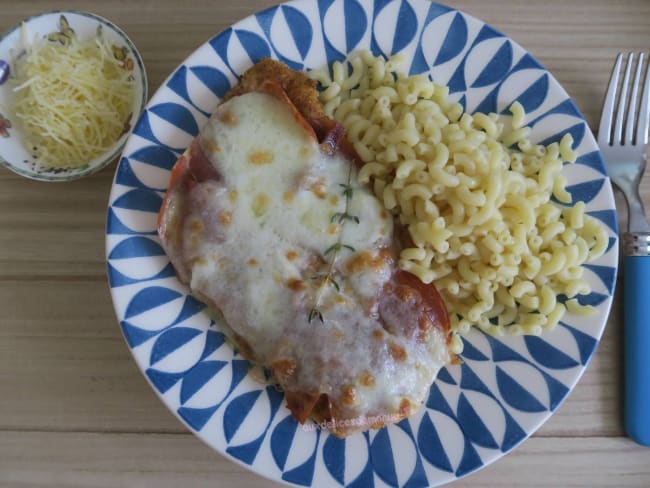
(636,287)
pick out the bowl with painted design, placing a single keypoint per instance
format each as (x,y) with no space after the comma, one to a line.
(72,85)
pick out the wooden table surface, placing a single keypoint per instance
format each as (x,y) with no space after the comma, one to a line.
(74,408)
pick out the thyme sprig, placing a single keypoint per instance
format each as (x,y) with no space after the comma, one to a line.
(334,250)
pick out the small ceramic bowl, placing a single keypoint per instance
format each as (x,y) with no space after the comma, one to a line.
(13,154)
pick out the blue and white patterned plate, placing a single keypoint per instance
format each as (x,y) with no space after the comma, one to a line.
(476,411)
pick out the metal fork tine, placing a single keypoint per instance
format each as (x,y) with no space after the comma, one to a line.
(644,110)
(631,122)
(622,102)
(605,128)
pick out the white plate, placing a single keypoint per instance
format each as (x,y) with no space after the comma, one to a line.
(505,388)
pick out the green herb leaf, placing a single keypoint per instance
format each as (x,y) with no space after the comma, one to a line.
(335,284)
(347,190)
(333,248)
(315,313)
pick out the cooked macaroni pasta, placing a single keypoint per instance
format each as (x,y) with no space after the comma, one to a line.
(474,194)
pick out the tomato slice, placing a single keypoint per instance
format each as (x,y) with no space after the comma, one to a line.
(180,173)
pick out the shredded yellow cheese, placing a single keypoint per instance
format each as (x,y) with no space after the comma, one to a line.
(73,98)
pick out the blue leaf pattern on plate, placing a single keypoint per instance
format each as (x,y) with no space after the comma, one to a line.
(301,30)
(176,115)
(497,68)
(406,27)
(455,40)
(236,412)
(431,446)
(171,340)
(281,439)
(139,199)
(470,352)
(125,175)
(382,458)
(156,156)
(136,247)
(470,461)
(587,191)
(547,355)
(148,299)
(445,377)
(356,23)
(334,457)
(606,274)
(191,306)
(515,394)
(255,46)
(197,417)
(135,335)
(473,426)
(198,376)
(304,474)
(451,438)
(215,80)
(535,95)
(163,381)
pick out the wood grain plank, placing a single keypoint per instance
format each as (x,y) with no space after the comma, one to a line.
(65,366)
(27,459)
(53,229)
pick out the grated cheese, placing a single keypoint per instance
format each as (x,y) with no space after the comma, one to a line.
(73,99)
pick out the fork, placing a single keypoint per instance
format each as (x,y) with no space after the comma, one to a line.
(623,142)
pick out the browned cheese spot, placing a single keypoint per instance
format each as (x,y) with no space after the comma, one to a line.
(424,326)
(201,261)
(211,146)
(291,255)
(378,334)
(260,157)
(252,262)
(338,334)
(196,226)
(260,204)
(225,217)
(405,407)
(397,352)
(228,118)
(305,152)
(295,284)
(348,395)
(284,368)
(289,196)
(334,200)
(318,189)
(366,378)
(195,241)
(406,293)
(366,260)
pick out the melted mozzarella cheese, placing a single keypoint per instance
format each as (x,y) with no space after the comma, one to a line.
(256,238)
(282,194)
